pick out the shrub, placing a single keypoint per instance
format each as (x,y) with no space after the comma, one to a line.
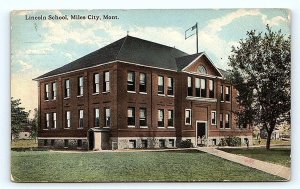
(185,144)
(230,141)
(222,142)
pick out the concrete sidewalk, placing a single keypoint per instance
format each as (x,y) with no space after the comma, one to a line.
(270,168)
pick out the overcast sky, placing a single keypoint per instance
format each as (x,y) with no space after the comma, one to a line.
(38,46)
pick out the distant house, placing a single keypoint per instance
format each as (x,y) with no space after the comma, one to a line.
(135,93)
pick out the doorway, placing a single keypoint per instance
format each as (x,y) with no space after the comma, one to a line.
(201,134)
(91,139)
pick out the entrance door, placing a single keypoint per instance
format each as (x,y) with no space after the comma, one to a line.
(201,133)
(91,139)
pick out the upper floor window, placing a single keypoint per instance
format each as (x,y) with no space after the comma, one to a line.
(197,86)
(54,120)
(203,88)
(80,119)
(221,121)
(130,81)
(227,125)
(80,86)
(47,120)
(170,86)
(227,94)
(106,83)
(213,118)
(131,116)
(190,86)
(68,119)
(170,118)
(211,88)
(161,85)
(97,117)
(188,116)
(96,83)
(222,93)
(160,118)
(143,117)
(107,117)
(54,89)
(143,86)
(47,92)
(202,69)
(67,88)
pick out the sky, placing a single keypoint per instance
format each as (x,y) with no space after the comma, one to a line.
(39,46)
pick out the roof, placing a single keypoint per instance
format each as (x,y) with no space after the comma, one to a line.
(130,49)
(224,73)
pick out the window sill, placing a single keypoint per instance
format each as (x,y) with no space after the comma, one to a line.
(227,102)
(80,128)
(95,94)
(161,127)
(106,127)
(171,127)
(67,128)
(161,94)
(105,92)
(46,100)
(189,124)
(66,98)
(143,93)
(213,124)
(222,100)
(131,91)
(131,126)
(170,96)
(144,127)
(78,96)
(45,129)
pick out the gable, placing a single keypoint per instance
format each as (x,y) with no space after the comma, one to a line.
(202,64)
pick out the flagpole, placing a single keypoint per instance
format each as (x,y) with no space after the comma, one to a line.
(197,36)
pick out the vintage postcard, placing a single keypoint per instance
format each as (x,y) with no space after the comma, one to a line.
(150,95)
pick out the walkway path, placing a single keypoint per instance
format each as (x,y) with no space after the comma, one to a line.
(270,168)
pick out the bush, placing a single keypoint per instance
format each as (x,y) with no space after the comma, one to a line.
(230,141)
(185,144)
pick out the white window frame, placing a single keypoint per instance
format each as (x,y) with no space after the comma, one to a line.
(47,96)
(97,116)
(161,118)
(80,113)
(67,88)
(131,80)
(47,120)
(96,86)
(132,115)
(106,82)
(107,115)
(160,83)
(227,114)
(68,119)
(185,116)
(227,92)
(215,117)
(143,118)
(172,115)
(54,91)
(170,85)
(80,86)
(54,119)
(143,81)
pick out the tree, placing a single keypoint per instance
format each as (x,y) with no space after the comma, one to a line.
(34,123)
(261,69)
(18,117)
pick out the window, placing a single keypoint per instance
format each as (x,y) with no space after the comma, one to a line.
(66,143)
(80,123)
(106,83)
(45,142)
(52,142)
(80,86)
(67,88)
(107,117)
(227,94)
(188,116)
(171,143)
(130,81)
(203,88)
(161,85)
(170,118)
(68,119)
(132,143)
(143,117)
(197,86)
(227,121)
(211,88)
(190,86)
(97,117)
(54,120)
(144,144)
(202,69)
(143,86)
(47,121)
(170,86)
(96,83)
(213,118)
(222,93)
(46,92)
(162,143)
(131,116)
(160,118)
(221,121)
(54,89)
(79,143)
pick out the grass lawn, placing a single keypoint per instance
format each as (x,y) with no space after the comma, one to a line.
(24,143)
(276,155)
(45,166)
(275,142)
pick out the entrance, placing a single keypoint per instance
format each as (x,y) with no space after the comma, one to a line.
(91,139)
(201,133)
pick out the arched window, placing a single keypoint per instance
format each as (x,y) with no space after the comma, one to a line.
(202,69)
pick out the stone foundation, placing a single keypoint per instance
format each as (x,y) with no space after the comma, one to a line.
(64,143)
